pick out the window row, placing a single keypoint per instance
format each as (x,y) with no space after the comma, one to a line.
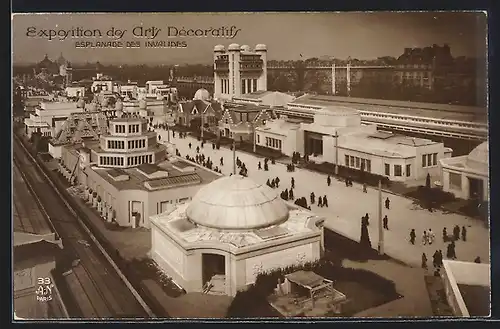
(224,86)
(358,163)
(429,160)
(120,129)
(248,86)
(120,145)
(398,170)
(110,161)
(140,143)
(273,143)
(140,159)
(133,128)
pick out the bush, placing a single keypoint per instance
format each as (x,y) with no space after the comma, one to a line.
(434,196)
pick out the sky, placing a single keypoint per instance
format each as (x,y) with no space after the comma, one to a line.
(287,35)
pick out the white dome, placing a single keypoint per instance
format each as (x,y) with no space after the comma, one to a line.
(245,48)
(219,48)
(142,104)
(260,47)
(478,158)
(119,105)
(202,94)
(237,203)
(81,103)
(234,46)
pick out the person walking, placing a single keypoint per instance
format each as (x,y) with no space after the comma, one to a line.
(412,236)
(293,182)
(424,238)
(259,166)
(268,183)
(430,236)
(435,258)
(386,222)
(387,203)
(320,202)
(424,261)
(221,161)
(456,232)
(445,235)
(464,234)
(328,180)
(190,145)
(364,188)
(197,149)
(367,219)
(312,197)
(290,194)
(277,181)
(477,260)
(325,201)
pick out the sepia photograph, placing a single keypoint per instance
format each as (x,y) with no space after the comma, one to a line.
(247,165)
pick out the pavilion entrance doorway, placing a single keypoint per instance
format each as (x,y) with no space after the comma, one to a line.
(213,273)
(476,189)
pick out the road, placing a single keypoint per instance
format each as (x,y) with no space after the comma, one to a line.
(98,289)
(348,205)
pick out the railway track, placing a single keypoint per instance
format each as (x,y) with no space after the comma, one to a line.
(98,290)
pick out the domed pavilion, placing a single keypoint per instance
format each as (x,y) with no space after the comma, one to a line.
(232,230)
(467,176)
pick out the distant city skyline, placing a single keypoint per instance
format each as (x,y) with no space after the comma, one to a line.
(287,35)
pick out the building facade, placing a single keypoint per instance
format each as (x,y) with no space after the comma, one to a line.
(239,122)
(239,70)
(231,231)
(50,116)
(467,177)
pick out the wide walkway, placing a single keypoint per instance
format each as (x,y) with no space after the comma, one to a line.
(348,205)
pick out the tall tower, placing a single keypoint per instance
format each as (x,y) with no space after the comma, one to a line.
(262,81)
(234,70)
(220,71)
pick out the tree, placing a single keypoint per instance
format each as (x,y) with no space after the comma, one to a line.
(428,181)
(365,236)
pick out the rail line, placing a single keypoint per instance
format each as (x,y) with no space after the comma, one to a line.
(103,293)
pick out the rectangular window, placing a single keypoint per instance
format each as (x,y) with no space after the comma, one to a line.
(368,165)
(346,160)
(429,160)
(101,161)
(254,84)
(352,161)
(363,164)
(408,170)
(455,181)
(357,162)
(387,169)
(150,158)
(243,86)
(128,161)
(397,170)
(424,160)
(434,159)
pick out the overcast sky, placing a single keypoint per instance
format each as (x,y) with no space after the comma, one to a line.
(287,35)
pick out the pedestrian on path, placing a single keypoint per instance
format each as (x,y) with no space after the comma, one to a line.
(293,182)
(364,188)
(387,203)
(412,236)
(347,182)
(325,201)
(431,236)
(290,194)
(445,235)
(450,251)
(312,197)
(367,220)
(440,258)
(277,181)
(268,183)
(273,184)
(320,202)
(456,232)
(435,257)
(259,166)
(424,238)
(386,222)
(197,149)
(424,261)
(477,260)
(189,145)
(221,161)
(266,167)
(464,234)
(328,180)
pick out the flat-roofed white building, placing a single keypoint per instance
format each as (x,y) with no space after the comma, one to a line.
(467,176)
(468,287)
(50,116)
(337,136)
(75,91)
(232,230)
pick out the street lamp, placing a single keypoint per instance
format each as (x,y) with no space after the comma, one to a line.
(380,225)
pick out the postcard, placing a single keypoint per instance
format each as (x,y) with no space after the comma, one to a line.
(250,165)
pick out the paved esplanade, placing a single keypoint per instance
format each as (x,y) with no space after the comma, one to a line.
(348,204)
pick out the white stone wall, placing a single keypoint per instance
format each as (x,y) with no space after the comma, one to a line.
(167,250)
(279,259)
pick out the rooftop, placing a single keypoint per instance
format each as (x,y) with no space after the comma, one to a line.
(476,161)
(439,111)
(27,216)
(175,220)
(30,255)
(477,299)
